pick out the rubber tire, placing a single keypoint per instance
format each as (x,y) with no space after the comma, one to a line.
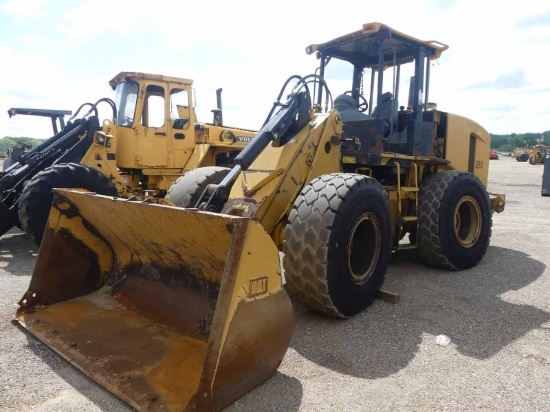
(437,244)
(187,189)
(317,238)
(522,157)
(37,195)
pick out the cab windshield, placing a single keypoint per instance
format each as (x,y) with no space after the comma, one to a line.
(126,99)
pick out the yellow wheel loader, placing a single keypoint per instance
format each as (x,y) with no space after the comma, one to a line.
(152,139)
(538,154)
(187,311)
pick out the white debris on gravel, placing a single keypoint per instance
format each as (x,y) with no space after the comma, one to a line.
(442,340)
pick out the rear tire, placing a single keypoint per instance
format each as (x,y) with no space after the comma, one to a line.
(338,244)
(187,189)
(37,196)
(454,222)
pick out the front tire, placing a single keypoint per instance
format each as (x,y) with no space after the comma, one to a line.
(338,244)
(187,189)
(37,196)
(454,222)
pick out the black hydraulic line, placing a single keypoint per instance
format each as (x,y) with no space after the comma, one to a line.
(93,108)
(317,79)
(274,129)
(293,115)
(278,100)
(111,103)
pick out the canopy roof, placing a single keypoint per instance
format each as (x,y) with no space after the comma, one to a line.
(361,47)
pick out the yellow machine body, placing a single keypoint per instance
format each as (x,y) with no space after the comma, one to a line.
(186,310)
(538,154)
(145,151)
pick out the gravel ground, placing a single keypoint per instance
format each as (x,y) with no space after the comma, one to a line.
(496,314)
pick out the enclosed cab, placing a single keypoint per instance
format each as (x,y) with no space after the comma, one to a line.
(398,98)
(156,136)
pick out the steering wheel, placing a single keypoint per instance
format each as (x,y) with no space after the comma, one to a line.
(126,121)
(363,104)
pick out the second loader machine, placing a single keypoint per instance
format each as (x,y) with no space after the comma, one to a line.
(188,311)
(151,140)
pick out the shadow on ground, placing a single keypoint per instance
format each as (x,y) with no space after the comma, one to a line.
(17,253)
(465,305)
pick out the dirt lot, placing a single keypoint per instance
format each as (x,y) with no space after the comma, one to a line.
(496,314)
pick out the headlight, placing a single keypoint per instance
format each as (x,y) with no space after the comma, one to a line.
(228,136)
(100,138)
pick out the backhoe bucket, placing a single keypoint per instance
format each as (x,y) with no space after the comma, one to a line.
(169,309)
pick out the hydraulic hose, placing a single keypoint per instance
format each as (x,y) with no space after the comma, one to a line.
(274,129)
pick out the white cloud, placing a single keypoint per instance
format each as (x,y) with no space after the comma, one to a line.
(35,39)
(249,51)
(23,9)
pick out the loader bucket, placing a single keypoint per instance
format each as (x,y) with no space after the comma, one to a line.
(169,309)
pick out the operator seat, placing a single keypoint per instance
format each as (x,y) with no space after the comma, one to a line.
(347,106)
(387,109)
(395,139)
(355,136)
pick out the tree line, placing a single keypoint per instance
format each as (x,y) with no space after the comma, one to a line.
(8,142)
(507,142)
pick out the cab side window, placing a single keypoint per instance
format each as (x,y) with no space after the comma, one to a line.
(153,111)
(179,104)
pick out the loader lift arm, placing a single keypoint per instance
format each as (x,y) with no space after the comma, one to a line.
(69,144)
(292,117)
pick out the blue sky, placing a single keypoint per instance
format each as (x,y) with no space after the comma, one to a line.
(59,54)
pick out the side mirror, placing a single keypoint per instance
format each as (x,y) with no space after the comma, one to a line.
(179,123)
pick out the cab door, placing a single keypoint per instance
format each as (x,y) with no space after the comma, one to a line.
(182,124)
(153,128)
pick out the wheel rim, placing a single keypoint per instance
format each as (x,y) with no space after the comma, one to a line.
(467,221)
(363,248)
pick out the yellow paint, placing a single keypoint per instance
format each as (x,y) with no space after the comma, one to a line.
(457,143)
(155,151)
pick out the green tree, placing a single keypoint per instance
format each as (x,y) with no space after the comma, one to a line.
(8,142)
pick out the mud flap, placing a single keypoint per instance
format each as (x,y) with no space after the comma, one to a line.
(167,308)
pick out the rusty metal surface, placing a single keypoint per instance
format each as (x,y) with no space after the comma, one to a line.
(242,207)
(161,314)
(151,366)
(140,319)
